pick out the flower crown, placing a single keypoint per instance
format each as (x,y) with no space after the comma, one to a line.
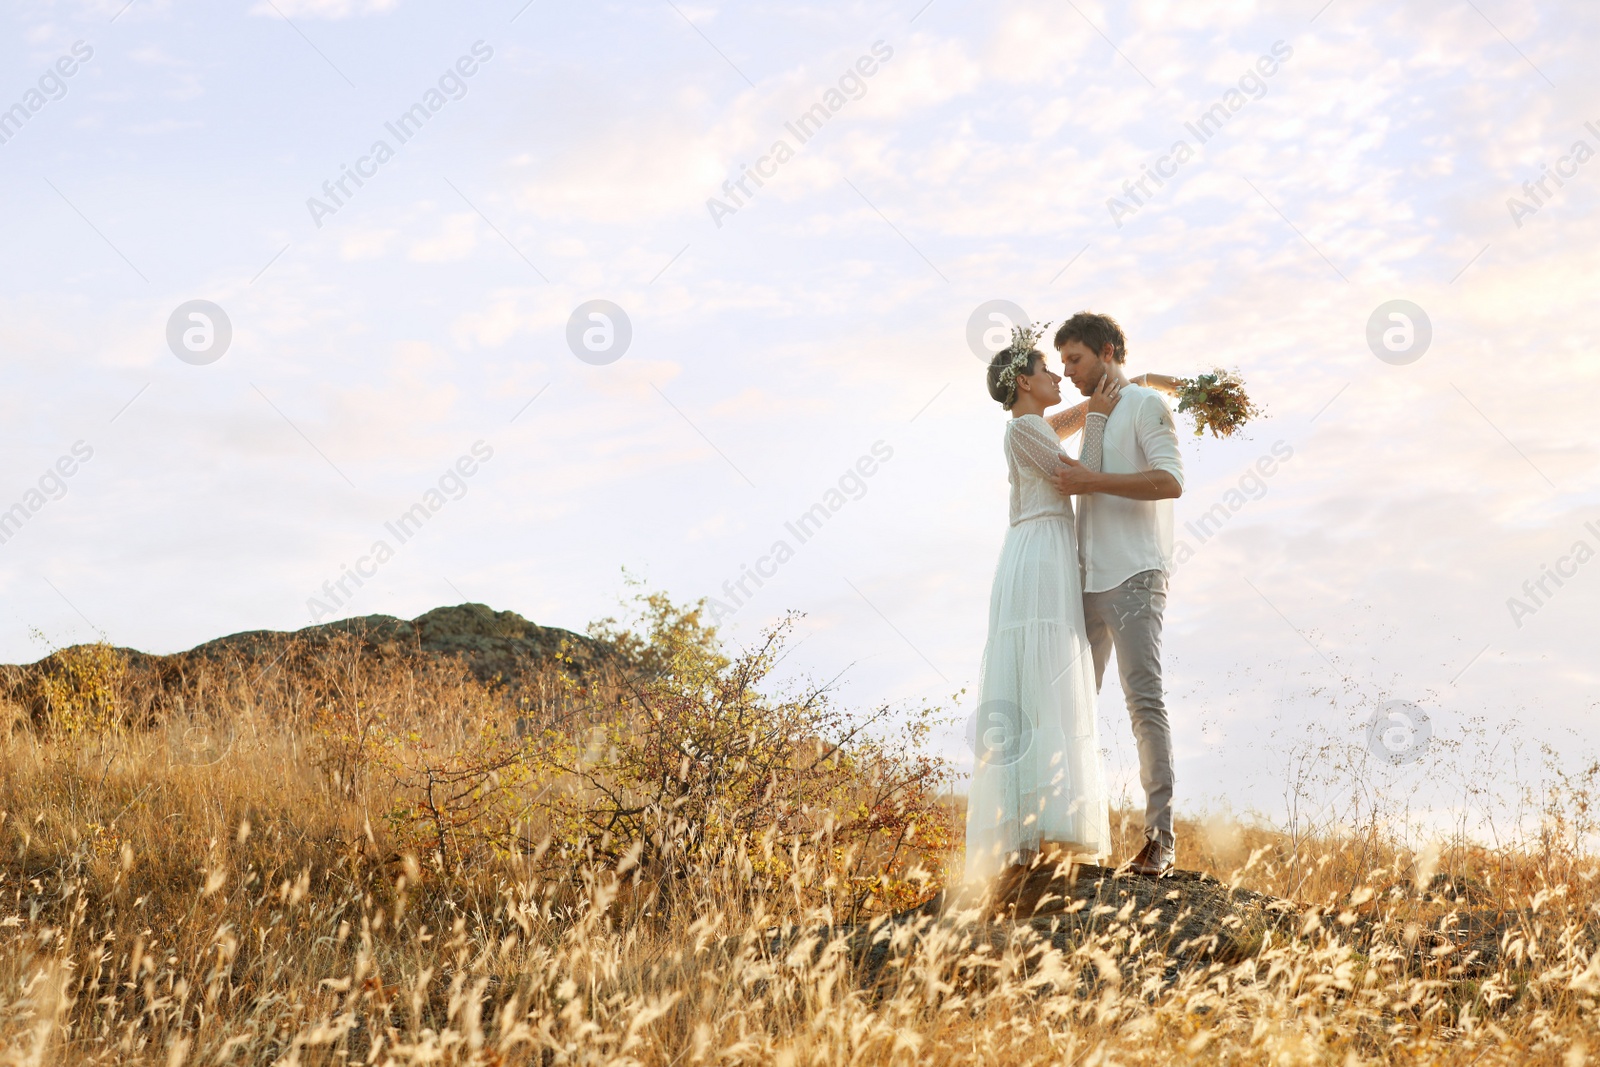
(1020,351)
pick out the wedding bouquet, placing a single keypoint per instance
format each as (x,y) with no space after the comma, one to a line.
(1217,401)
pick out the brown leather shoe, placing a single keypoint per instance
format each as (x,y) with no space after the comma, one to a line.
(1153,860)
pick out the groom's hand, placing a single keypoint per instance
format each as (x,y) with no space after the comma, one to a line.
(1074,479)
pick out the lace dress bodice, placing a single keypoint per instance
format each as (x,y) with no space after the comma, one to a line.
(1033,455)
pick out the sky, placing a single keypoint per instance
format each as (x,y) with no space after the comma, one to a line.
(421,333)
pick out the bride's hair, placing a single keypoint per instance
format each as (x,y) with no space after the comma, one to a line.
(1002,387)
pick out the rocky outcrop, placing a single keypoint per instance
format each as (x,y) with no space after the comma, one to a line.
(1187,919)
(1118,926)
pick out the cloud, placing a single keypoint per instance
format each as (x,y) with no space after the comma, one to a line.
(628,173)
(358,244)
(161,126)
(923,73)
(323,9)
(457,238)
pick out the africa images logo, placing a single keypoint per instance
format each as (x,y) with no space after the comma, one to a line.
(52,485)
(52,86)
(451,85)
(999,733)
(1399,732)
(1204,128)
(852,85)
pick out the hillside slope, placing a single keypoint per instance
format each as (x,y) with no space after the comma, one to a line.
(491,644)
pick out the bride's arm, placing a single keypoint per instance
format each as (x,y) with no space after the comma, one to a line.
(1068,421)
(1162,382)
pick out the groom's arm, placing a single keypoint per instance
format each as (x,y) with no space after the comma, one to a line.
(1158,440)
(1075,479)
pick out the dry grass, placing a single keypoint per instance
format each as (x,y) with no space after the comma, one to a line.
(250,908)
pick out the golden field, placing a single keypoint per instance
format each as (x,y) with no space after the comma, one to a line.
(657,861)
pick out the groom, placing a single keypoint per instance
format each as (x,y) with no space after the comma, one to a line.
(1125,547)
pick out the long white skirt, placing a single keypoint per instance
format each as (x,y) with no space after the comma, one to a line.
(1036,774)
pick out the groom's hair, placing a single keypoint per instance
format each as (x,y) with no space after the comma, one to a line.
(1002,359)
(1094,332)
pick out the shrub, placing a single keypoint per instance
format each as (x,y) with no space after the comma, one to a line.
(82,694)
(701,769)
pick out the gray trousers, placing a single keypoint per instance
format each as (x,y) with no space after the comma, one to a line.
(1128,619)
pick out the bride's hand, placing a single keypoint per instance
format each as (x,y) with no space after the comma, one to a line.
(1105,396)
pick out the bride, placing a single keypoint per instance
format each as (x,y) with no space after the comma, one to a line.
(1037,789)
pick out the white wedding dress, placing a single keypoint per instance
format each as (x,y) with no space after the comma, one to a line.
(1036,773)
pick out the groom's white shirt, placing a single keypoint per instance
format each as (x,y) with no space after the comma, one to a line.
(1118,537)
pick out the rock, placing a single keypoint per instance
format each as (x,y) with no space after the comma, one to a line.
(1184,921)
(1186,914)
(1187,919)
(1461,888)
